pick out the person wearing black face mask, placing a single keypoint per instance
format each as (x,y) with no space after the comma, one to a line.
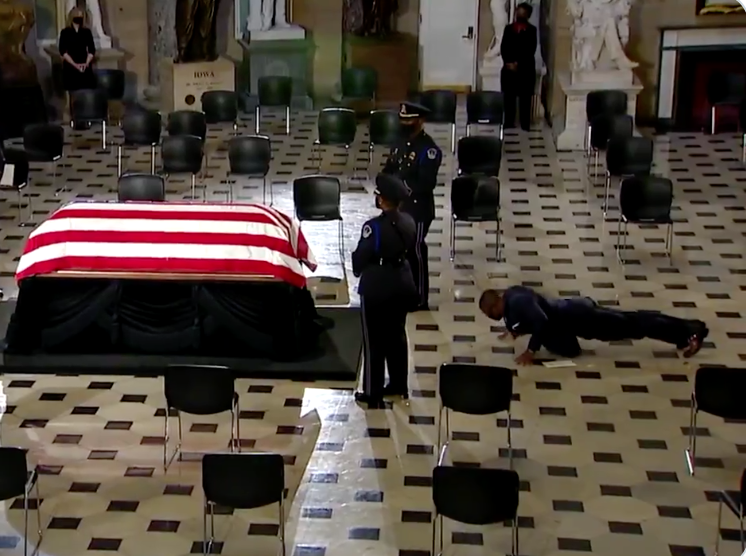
(77,51)
(416,160)
(387,291)
(518,76)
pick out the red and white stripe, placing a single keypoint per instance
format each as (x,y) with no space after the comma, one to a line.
(168,238)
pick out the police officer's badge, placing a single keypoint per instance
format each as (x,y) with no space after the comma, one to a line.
(432,154)
(412,155)
(367,230)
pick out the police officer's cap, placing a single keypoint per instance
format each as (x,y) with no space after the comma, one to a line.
(412,110)
(391,188)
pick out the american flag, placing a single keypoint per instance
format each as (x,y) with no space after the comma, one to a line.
(168,238)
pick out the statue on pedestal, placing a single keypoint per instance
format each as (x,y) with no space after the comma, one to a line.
(196,30)
(16,67)
(492,63)
(93,20)
(353,15)
(600,33)
(268,20)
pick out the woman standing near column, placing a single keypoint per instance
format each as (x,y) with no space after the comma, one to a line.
(77,51)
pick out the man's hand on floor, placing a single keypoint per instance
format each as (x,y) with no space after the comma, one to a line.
(525,358)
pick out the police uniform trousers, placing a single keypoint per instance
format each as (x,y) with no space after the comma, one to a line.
(385,345)
(419,263)
(593,322)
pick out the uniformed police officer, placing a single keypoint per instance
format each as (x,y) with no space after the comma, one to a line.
(416,160)
(556,324)
(387,292)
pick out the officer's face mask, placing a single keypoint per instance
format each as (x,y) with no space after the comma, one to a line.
(78,20)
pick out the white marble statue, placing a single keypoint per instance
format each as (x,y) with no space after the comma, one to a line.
(93,7)
(600,32)
(499,11)
(268,20)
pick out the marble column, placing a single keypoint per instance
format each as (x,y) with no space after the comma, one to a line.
(162,40)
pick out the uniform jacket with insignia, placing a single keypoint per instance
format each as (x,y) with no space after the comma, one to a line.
(380,258)
(416,161)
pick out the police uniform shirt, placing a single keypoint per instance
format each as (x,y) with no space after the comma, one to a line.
(525,312)
(416,161)
(380,257)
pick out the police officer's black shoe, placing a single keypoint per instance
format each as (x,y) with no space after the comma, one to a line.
(390,392)
(362,397)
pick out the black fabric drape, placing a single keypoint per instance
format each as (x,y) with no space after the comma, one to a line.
(248,319)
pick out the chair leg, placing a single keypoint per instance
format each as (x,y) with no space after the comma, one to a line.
(453,237)
(510,441)
(235,441)
(618,243)
(341,241)
(468,129)
(168,459)
(437,524)
(62,189)
(587,140)
(440,436)
(498,236)
(229,188)
(515,550)
(287,120)
(281,532)
(717,529)
(607,187)
(120,149)
(669,241)
(502,132)
(103,135)
(743,148)
(595,167)
(152,159)
(205,542)
(453,138)
(257,118)
(370,160)
(194,187)
(691,451)
(713,119)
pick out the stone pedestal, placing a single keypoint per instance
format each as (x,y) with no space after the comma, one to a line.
(287,33)
(490,72)
(287,58)
(182,85)
(571,135)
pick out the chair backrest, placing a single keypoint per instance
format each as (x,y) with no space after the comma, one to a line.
(44,141)
(275,90)
(198,389)
(742,489)
(141,127)
(13,472)
(442,105)
(220,106)
(187,122)
(605,102)
(182,154)
(243,481)
(726,88)
(317,198)
(384,127)
(141,187)
(606,126)
(90,105)
(485,107)
(475,389)
(475,495)
(646,199)
(629,156)
(359,83)
(475,198)
(742,115)
(480,154)
(250,155)
(337,126)
(719,391)
(112,81)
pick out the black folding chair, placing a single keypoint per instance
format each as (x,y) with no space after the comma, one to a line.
(474,496)
(733,500)
(187,122)
(250,156)
(473,390)
(603,128)
(199,390)
(90,106)
(45,143)
(220,107)
(141,128)
(724,89)
(480,154)
(717,391)
(242,482)
(275,91)
(141,187)
(15,160)
(644,200)
(337,127)
(742,119)
(475,198)
(626,157)
(485,108)
(183,154)
(18,481)
(442,105)
(602,103)
(318,199)
(384,130)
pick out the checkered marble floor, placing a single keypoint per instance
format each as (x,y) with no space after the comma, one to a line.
(600,445)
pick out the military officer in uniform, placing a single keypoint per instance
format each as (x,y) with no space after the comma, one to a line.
(556,324)
(416,160)
(387,292)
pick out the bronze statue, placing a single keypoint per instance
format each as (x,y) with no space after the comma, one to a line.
(378,16)
(16,67)
(196,30)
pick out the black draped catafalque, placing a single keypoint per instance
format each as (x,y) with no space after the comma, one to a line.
(196,30)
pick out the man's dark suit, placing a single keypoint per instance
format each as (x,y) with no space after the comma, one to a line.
(518,47)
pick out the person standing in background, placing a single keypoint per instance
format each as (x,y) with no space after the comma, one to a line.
(518,77)
(77,50)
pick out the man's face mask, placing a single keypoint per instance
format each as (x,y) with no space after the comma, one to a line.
(78,20)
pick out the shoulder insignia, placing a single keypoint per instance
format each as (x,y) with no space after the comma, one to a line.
(412,155)
(367,230)
(432,154)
